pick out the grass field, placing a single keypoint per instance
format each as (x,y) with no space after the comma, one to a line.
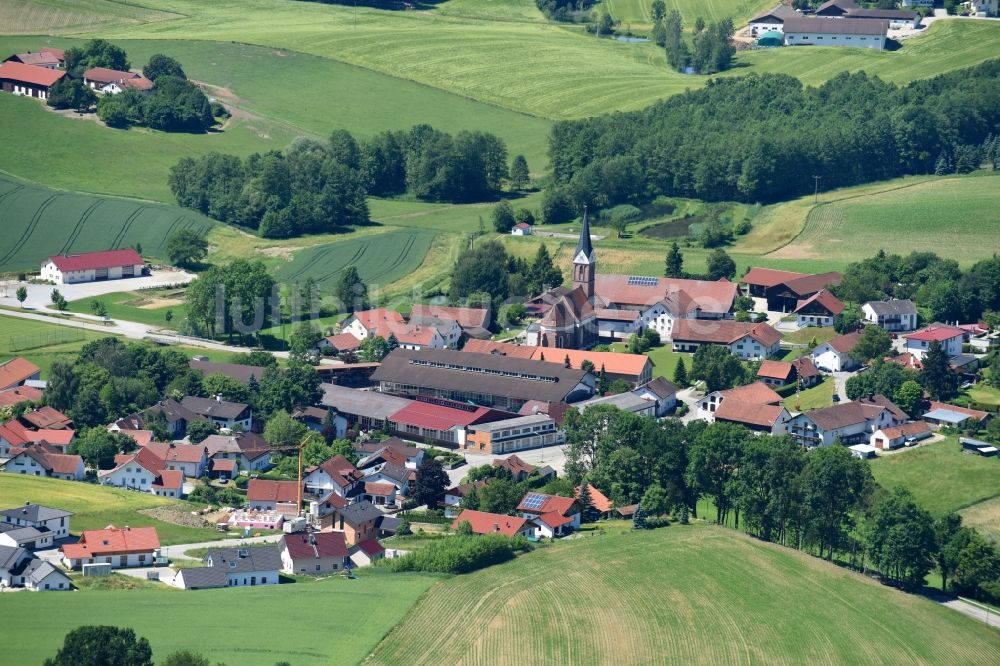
(41,221)
(814,397)
(32,17)
(941,477)
(380,259)
(138,306)
(639,12)
(984,516)
(913,215)
(96,506)
(34,341)
(333,622)
(680,595)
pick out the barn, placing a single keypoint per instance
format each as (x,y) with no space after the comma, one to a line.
(93,266)
(28,80)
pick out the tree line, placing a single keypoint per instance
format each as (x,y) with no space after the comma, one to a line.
(712,48)
(488,273)
(823,501)
(764,137)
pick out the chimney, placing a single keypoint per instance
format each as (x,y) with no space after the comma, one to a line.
(496,527)
(218,397)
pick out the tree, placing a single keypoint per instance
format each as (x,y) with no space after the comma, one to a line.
(717,367)
(303,343)
(185,658)
(283,431)
(95,53)
(374,348)
(544,274)
(58,300)
(503,217)
(674,264)
(847,321)
(945,529)
(659,9)
(351,291)
(720,265)
(936,375)
(430,482)
(654,500)
(71,93)
(98,447)
(680,374)
(585,500)
(874,343)
(197,431)
(909,397)
(519,174)
(186,248)
(639,518)
(161,65)
(22,295)
(699,25)
(102,646)
(834,485)
(974,561)
(62,386)
(482,270)
(900,539)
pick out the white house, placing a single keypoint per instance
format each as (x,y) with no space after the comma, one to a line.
(119,547)
(233,567)
(917,3)
(448,329)
(367,322)
(820,309)
(555,516)
(36,462)
(93,266)
(32,538)
(771,19)
(848,422)
(950,337)
(892,315)
(314,554)
(143,470)
(835,355)
(857,33)
(660,391)
(38,516)
(337,475)
(758,393)
(750,342)
(521,229)
(983,7)
(20,568)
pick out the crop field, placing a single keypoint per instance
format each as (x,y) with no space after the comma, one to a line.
(941,476)
(332,622)
(32,17)
(380,259)
(96,507)
(39,222)
(639,12)
(684,595)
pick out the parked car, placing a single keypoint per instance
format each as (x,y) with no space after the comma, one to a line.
(822,368)
(836,398)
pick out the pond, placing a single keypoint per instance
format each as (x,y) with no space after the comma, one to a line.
(673,229)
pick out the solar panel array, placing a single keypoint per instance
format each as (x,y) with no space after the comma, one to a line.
(643,281)
(533,501)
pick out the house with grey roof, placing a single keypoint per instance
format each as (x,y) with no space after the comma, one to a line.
(20,568)
(627,402)
(38,516)
(357,521)
(32,538)
(233,567)
(898,314)
(221,412)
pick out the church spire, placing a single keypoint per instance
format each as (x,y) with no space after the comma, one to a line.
(584,245)
(584,267)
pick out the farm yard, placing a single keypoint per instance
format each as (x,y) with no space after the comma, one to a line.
(224,625)
(42,222)
(694,594)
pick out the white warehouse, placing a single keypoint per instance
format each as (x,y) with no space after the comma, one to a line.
(93,266)
(864,34)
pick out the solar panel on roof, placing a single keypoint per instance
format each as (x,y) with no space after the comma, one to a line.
(643,281)
(534,501)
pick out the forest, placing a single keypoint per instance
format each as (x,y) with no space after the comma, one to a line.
(765,138)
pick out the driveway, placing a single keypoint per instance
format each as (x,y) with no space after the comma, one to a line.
(840,384)
(40,295)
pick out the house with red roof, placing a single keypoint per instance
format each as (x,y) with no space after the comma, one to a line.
(784,291)
(13,434)
(43,58)
(113,81)
(41,461)
(634,368)
(818,309)
(145,471)
(313,554)
(16,372)
(950,337)
(474,322)
(601,505)
(896,436)
(28,80)
(336,475)
(366,552)
(271,495)
(18,394)
(119,547)
(835,355)
(757,393)
(521,229)
(482,522)
(555,516)
(46,418)
(93,266)
(189,459)
(750,342)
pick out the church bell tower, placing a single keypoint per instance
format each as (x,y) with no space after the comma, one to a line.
(584,262)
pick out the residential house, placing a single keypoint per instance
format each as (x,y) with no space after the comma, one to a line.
(14,435)
(341,343)
(626,402)
(475,322)
(392,450)
(314,554)
(660,391)
(446,327)
(927,4)
(119,547)
(18,394)
(366,552)
(482,522)
(357,522)
(223,469)
(983,8)
(600,505)
(896,436)
(380,494)
(555,516)
(820,309)
(942,414)
(16,372)
(847,422)
(521,229)
(113,81)
(46,418)
(20,568)
(93,266)
(336,475)
(270,495)
(514,434)
(27,537)
(220,412)
(750,342)
(28,80)
(768,419)
(950,337)
(757,393)
(143,470)
(776,373)
(36,462)
(865,34)
(368,322)
(251,452)
(189,459)
(892,315)
(519,470)
(835,355)
(782,291)
(233,567)
(38,516)
(376,478)
(771,19)
(453,496)
(175,415)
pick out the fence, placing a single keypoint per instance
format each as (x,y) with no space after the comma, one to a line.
(61,336)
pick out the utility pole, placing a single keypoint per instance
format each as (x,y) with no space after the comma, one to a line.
(816,191)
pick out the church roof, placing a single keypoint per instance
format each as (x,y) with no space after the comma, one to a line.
(585,245)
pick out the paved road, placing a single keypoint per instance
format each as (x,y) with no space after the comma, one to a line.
(965,607)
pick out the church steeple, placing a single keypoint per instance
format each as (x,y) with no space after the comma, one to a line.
(584,261)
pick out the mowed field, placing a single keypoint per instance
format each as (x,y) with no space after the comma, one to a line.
(640,12)
(958,218)
(39,342)
(39,222)
(679,595)
(379,258)
(333,622)
(31,17)
(98,506)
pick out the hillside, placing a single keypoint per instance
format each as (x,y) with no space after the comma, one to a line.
(678,595)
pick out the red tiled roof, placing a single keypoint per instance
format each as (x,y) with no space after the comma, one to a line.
(845,343)
(316,545)
(551,504)
(16,371)
(616,363)
(380,489)
(169,478)
(939,332)
(113,541)
(907,429)
(515,465)
(267,490)
(598,500)
(491,523)
(341,470)
(55,463)
(709,296)
(223,465)
(775,370)
(831,303)
(39,76)
(906,359)
(554,519)
(439,417)
(499,348)
(371,547)
(810,284)
(143,457)
(140,437)
(92,260)
(105,75)
(466,317)
(805,367)
(58,53)
(14,433)
(751,413)
(768,277)
(40,58)
(344,342)
(372,319)
(522,225)
(757,393)
(19,394)
(139,83)
(723,331)
(46,417)
(183,453)
(61,438)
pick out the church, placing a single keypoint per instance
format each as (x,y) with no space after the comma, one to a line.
(605,308)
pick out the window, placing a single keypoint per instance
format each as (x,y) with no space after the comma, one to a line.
(317,567)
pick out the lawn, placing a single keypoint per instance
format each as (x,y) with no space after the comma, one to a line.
(804,336)
(901,216)
(309,623)
(41,221)
(639,12)
(683,595)
(664,360)
(31,18)
(984,516)
(940,476)
(148,308)
(39,342)
(814,397)
(987,395)
(99,506)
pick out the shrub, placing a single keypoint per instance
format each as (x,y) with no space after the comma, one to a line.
(462,554)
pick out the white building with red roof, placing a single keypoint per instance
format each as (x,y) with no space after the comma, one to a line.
(314,554)
(835,355)
(756,406)
(28,80)
(750,342)
(119,547)
(555,516)
(271,495)
(145,471)
(93,266)
(950,337)
(37,461)
(482,522)
(113,81)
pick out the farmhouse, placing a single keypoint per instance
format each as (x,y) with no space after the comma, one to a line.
(818,310)
(865,34)
(482,379)
(849,422)
(45,58)
(950,337)
(745,340)
(514,434)
(39,517)
(313,554)
(35,462)
(892,315)
(482,522)
(112,81)
(28,80)
(555,516)
(93,266)
(835,8)
(16,372)
(771,19)
(660,391)
(220,412)
(233,567)
(835,355)
(119,547)
(783,291)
